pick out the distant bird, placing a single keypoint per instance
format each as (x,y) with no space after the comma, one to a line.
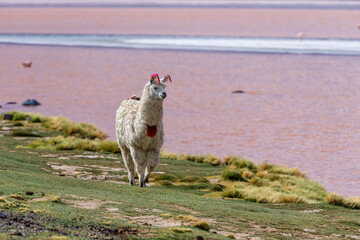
(27,64)
(300,35)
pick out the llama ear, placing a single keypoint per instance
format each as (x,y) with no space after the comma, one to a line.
(154,77)
(166,78)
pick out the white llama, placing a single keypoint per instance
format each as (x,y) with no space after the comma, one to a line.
(139,129)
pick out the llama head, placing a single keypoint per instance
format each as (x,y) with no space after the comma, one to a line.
(157,87)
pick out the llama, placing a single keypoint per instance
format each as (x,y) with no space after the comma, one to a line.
(139,129)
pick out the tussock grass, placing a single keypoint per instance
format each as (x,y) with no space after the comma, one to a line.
(61,124)
(180,229)
(267,183)
(187,218)
(17,196)
(55,199)
(166,215)
(213,160)
(202,225)
(231,235)
(232,175)
(72,143)
(338,200)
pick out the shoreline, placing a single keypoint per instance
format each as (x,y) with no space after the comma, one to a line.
(288,5)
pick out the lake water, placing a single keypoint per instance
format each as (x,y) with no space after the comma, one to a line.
(300,110)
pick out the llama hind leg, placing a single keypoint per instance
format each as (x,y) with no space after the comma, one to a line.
(129,164)
(153,161)
(140,160)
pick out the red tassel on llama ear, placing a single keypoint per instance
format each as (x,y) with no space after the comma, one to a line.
(166,78)
(152,77)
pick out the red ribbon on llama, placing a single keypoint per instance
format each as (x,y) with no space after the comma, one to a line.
(166,78)
(151,131)
(156,75)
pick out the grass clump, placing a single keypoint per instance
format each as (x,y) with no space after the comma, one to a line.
(267,183)
(166,215)
(213,160)
(338,200)
(70,128)
(232,175)
(18,124)
(202,225)
(231,235)
(72,143)
(55,199)
(61,124)
(17,196)
(287,171)
(180,229)
(187,218)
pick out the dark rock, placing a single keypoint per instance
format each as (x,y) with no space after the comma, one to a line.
(238,91)
(199,238)
(0,106)
(29,193)
(31,102)
(11,103)
(27,64)
(8,117)
(3,214)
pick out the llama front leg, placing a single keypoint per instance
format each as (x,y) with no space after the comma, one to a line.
(129,164)
(153,161)
(140,159)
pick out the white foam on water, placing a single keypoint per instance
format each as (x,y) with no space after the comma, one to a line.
(230,44)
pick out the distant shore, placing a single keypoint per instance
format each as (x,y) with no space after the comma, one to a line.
(345,5)
(239,22)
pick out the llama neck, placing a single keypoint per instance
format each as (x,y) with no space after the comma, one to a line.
(150,110)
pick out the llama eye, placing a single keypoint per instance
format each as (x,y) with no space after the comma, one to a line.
(155,88)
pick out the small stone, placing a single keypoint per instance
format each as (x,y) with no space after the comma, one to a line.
(29,193)
(11,103)
(8,117)
(31,102)
(199,238)
(27,64)
(3,214)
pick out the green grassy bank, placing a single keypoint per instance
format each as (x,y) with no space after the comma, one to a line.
(57,182)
